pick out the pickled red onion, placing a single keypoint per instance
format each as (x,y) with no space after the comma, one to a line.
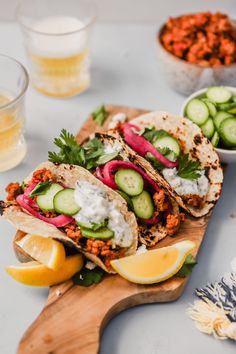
(107,178)
(58,221)
(152,221)
(142,146)
(30,188)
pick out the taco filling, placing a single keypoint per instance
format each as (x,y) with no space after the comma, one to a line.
(110,160)
(179,156)
(165,153)
(85,214)
(146,199)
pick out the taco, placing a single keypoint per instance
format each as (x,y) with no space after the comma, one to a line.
(121,169)
(179,156)
(69,204)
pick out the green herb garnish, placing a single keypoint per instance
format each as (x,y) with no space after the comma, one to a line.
(87,277)
(93,226)
(40,189)
(71,152)
(187,267)
(107,157)
(151,134)
(23,186)
(165,151)
(100,115)
(188,169)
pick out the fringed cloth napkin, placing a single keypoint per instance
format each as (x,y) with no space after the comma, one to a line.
(215,312)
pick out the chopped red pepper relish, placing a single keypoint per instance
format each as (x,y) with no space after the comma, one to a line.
(204,38)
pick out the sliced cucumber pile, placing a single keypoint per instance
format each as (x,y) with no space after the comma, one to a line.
(131,185)
(45,201)
(215,113)
(58,199)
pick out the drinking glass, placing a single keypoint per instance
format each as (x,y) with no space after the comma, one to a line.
(56,37)
(13,85)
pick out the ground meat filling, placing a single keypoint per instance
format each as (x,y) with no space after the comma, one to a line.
(194,200)
(99,248)
(13,190)
(160,201)
(42,175)
(173,223)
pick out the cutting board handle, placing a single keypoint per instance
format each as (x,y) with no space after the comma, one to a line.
(74,316)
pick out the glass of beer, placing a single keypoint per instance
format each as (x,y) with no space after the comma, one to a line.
(13,85)
(56,37)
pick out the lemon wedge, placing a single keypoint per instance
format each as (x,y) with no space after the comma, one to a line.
(153,266)
(45,250)
(36,274)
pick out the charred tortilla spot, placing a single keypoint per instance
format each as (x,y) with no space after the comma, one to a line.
(2,207)
(197,139)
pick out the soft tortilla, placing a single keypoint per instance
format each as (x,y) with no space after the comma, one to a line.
(197,146)
(68,175)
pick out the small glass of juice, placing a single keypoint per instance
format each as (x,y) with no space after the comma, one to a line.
(56,37)
(13,85)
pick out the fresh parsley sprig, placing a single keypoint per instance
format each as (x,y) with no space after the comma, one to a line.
(187,267)
(89,155)
(188,169)
(87,277)
(165,151)
(100,115)
(40,189)
(151,134)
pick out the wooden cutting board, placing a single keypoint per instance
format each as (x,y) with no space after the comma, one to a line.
(74,317)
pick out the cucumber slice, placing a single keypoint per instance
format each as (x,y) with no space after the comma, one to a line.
(102,234)
(45,201)
(92,226)
(227,106)
(232,110)
(129,181)
(219,94)
(197,111)
(219,117)
(64,202)
(168,142)
(126,198)
(228,131)
(143,205)
(215,139)
(208,128)
(211,106)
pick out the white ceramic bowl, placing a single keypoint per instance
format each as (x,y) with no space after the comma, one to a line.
(226,156)
(185,77)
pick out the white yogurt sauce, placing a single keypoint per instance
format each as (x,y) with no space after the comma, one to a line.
(184,186)
(117,118)
(141,249)
(110,148)
(95,208)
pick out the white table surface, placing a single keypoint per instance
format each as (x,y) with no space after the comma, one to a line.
(124,72)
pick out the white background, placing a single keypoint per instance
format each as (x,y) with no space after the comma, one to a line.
(140,10)
(125,72)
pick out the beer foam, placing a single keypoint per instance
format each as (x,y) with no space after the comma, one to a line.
(53,37)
